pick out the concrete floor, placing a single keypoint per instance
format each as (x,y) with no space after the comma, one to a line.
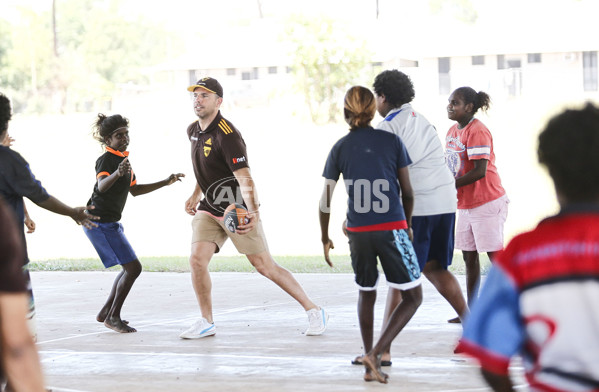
(259,345)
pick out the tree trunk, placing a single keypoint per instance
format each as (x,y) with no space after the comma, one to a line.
(259,8)
(54,28)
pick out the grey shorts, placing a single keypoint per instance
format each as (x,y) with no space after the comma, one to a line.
(207,227)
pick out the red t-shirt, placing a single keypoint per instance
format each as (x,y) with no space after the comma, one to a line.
(462,148)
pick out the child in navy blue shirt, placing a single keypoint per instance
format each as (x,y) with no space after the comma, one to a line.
(374,164)
(16,182)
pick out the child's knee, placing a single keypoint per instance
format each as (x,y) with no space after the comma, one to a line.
(133,269)
(413,296)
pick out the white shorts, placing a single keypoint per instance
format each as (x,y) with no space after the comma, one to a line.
(481,228)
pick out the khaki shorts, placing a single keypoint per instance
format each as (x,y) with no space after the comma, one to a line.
(207,227)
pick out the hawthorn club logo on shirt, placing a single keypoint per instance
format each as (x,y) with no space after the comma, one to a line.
(238,160)
(207,147)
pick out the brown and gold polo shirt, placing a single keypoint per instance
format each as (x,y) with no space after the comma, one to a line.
(216,153)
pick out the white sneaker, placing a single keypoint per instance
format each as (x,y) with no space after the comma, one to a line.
(319,320)
(199,329)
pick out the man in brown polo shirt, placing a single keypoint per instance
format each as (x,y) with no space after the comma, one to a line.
(222,170)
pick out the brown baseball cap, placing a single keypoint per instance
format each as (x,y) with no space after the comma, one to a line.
(209,84)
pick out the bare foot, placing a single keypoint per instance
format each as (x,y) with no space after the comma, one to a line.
(455,321)
(368,376)
(374,367)
(385,360)
(101,317)
(119,326)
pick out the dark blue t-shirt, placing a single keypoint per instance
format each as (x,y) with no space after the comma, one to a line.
(369,160)
(17,181)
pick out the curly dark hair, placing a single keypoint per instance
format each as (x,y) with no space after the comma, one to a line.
(5,112)
(396,86)
(568,148)
(105,125)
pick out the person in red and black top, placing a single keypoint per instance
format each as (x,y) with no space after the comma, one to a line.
(19,360)
(115,180)
(539,301)
(223,176)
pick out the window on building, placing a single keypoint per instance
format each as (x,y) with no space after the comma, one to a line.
(478,60)
(589,71)
(252,74)
(513,77)
(534,57)
(444,81)
(231,71)
(514,63)
(408,63)
(500,61)
(272,70)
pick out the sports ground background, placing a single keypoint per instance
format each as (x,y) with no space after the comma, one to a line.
(286,154)
(286,149)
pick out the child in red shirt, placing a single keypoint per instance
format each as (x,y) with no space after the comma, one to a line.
(482,201)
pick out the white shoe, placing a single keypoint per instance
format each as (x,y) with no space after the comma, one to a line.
(199,329)
(319,320)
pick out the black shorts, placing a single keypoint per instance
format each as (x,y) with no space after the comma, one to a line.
(395,252)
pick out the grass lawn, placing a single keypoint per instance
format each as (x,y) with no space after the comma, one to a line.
(296,264)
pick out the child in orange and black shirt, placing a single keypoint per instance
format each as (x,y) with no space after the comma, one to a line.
(115,180)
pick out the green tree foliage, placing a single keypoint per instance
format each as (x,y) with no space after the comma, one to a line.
(27,59)
(99,50)
(326,61)
(5,45)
